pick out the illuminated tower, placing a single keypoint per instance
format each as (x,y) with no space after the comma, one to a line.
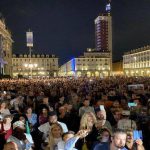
(103,32)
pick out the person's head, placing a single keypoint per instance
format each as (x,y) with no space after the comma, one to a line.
(44,111)
(62,110)
(100,112)
(10,146)
(3,105)
(119,138)
(52,118)
(105,135)
(7,119)
(45,100)
(29,110)
(88,120)
(66,136)
(86,102)
(117,115)
(56,130)
(19,130)
(116,104)
(129,136)
(22,118)
(125,114)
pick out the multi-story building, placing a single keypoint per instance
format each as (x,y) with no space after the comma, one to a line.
(92,63)
(5,49)
(35,65)
(137,62)
(103,32)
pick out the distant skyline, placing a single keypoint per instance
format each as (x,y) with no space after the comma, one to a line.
(66,27)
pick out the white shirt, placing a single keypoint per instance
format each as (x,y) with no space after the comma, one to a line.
(126,124)
(45,128)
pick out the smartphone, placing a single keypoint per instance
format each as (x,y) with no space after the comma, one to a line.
(101,107)
(137,135)
(132,104)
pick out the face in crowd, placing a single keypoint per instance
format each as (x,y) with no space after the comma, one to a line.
(119,140)
(52,119)
(56,130)
(101,115)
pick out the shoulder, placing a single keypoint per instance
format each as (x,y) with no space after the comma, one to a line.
(62,124)
(44,126)
(102,146)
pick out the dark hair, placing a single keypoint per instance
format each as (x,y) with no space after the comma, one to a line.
(66,133)
(119,131)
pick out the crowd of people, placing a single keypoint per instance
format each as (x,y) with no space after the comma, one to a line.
(75,113)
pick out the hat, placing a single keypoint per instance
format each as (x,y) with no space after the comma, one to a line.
(19,124)
(99,108)
(126,113)
(52,113)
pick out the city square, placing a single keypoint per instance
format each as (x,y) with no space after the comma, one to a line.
(74,75)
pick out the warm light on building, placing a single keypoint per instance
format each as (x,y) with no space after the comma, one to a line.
(137,62)
(92,63)
(36,66)
(5,49)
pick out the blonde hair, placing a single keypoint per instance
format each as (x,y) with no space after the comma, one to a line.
(84,124)
(51,137)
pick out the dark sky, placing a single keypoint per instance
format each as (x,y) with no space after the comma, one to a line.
(66,27)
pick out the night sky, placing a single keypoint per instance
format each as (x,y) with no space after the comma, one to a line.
(66,27)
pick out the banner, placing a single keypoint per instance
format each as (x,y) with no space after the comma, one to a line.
(29,36)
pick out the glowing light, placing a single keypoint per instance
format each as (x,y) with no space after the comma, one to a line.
(73,62)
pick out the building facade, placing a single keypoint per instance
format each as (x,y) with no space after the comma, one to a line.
(5,49)
(103,32)
(36,65)
(91,64)
(117,68)
(137,62)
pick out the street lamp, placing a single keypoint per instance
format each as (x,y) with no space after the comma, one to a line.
(30,66)
(29,37)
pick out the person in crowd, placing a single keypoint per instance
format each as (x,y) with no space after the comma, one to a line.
(132,144)
(126,123)
(45,104)
(68,93)
(118,141)
(18,135)
(71,118)
(43,116)
(65,137)
(32,117)
(87,122)
(45,128)
(62,114)
(3,109)
(105,135)
(85,107)
(71,141)
(10,146)
(117,116)
(18,104)
(5,129)
(116,106)
(55,136)
(101,117)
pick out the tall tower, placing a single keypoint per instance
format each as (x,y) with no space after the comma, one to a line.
(103,32)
